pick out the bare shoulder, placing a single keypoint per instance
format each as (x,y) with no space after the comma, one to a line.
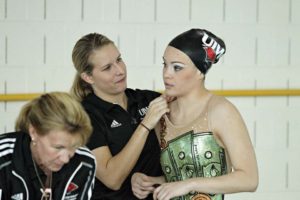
(224,116)
(220,106)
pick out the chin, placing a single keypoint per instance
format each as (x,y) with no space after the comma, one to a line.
(170,93)
(56,168)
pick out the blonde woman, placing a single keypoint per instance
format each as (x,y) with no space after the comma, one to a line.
(122,141)
(45,157)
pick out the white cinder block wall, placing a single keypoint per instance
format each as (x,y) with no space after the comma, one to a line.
(262,37)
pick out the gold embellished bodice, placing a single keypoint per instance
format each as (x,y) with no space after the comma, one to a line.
(194,152)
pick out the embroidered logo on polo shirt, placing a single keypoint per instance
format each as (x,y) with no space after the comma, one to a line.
(115,124)
(17,196)
(143,111)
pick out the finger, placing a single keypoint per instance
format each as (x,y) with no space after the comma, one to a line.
(141,194)
(158,99)
(156,192)
(162,194)
(146,184)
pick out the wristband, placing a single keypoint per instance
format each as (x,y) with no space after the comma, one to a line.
(143,125)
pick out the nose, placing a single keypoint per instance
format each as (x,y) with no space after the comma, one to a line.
(66,156)
(167,72)
(120,68)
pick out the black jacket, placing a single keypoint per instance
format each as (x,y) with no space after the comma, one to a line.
(18,179)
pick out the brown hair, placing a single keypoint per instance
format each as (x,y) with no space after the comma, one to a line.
(82,51)
(55,111)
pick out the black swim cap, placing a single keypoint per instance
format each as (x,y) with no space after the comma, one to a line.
(201,46)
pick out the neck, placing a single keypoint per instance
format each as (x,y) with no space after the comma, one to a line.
(37,160)
(120,99)
(190,100)
(184,107)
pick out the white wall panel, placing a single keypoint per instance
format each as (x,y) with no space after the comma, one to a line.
(273,12)
(24,45)
(144,13)
(54,43)
(272,49)
(240,46)
(8,119)
(15,79)
(2,9)
(294,136)
(173,11)
(295,14)
(203,11)
(59,10)
(93,10)
(145,46)
(243,78)
(36,81)
(294,101)
(295,44)
(294,172)
(111,10)
(59,79)
(273,170)
(128,45)
(16,9)
(2,82)
(2,48)
(2,115)
(271,129)
(143,78)
(240,11)
(12,111)
(36,9)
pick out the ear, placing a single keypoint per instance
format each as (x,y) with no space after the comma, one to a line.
(201,75)
(87,78)
(32,132)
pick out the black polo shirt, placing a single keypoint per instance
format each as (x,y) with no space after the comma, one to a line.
(113,127)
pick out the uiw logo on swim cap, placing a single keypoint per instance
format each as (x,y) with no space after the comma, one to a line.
(210,54)
(211,43)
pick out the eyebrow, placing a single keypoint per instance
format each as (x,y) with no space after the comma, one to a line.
(119,56)
(174,61)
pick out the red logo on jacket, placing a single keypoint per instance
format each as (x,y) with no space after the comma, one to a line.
(72,187)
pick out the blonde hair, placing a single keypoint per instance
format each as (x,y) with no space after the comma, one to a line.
(55,111)
(81,53)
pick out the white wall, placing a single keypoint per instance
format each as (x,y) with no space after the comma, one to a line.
(262,37)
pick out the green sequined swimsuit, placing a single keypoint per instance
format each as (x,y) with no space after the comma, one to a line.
(193,154)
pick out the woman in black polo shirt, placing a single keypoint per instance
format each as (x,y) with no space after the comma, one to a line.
(122,141)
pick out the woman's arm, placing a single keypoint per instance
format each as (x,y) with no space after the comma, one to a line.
(108,167)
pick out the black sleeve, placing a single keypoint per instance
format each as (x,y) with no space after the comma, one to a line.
(148,94)
(86,177)
(3,189)
(99,134)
